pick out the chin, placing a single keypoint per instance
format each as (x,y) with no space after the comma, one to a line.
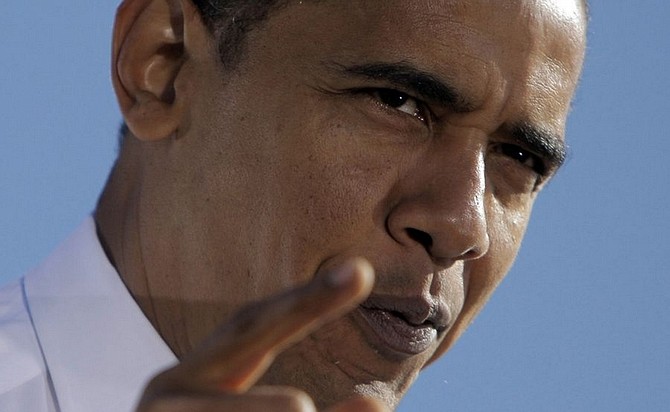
(339,362)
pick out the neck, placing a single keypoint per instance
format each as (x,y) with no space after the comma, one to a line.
(119,224)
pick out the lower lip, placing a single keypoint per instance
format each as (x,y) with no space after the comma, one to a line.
(396,334)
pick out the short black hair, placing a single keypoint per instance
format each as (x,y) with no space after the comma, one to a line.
(231,20)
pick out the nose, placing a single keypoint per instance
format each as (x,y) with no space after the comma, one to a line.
(441,206)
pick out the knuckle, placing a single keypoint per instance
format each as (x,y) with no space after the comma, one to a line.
(298,402)
(288,399)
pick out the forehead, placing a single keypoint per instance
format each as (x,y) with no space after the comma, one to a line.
(519,58)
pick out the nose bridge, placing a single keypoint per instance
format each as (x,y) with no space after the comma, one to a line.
(444,208)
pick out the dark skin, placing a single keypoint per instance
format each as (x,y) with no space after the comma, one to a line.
(416,135)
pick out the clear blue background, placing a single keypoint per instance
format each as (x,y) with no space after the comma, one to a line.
(582,323)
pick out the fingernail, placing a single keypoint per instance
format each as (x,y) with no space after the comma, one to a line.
(340,276)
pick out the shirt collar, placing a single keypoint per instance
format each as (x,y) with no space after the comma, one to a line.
(99,347)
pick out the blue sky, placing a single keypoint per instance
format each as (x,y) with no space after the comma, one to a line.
(582,323)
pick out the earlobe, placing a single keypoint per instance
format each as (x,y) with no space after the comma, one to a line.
(147,58)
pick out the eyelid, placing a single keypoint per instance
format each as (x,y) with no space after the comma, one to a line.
(426,118)
(539,163)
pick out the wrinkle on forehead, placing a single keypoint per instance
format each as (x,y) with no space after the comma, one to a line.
(568,11)
(479,46)
(564,18)
(559,35)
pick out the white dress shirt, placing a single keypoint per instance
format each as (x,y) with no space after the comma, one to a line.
(72,339)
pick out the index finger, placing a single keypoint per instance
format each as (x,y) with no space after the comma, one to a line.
(234,357)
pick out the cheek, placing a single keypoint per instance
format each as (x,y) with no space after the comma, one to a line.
(327,202)
(335,180)
(506,226)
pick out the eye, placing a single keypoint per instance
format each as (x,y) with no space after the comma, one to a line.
(521,155)
(400,101)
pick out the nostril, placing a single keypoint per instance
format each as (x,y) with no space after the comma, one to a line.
(420,237)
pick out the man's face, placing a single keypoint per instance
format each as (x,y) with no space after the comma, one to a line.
(414,134)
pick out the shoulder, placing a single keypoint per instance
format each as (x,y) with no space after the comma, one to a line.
(23,374)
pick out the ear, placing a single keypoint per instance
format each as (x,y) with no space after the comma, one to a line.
(148,57)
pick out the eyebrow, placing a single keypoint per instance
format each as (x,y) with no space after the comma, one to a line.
(403,75)
(408,77)
(546,145)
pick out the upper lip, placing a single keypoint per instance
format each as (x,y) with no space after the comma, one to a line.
(417,311)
